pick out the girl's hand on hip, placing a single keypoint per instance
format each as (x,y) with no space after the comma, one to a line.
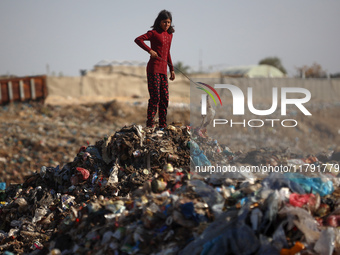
(172,75)
(153,54)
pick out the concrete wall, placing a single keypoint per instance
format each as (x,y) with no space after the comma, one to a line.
(114,85)
(322,90)
(123,84)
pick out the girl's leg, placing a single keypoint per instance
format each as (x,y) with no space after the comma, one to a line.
(164,100)
(154,81)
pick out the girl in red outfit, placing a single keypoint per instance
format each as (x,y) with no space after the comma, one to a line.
(160,41)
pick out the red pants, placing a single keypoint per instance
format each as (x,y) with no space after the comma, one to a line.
(159,98)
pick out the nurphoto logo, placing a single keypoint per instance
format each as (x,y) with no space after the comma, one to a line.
(238,105)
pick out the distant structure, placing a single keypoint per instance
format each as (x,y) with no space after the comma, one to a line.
(122,67)
(253,71)
(138,68)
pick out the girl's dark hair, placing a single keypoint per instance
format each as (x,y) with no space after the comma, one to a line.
(162,16)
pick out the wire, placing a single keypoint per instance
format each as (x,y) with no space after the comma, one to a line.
(199,85)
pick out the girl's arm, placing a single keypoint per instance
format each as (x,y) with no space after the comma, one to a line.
(140,41)
(172,75)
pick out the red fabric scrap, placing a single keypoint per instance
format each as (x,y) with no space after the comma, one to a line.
(84,172)
(301,200)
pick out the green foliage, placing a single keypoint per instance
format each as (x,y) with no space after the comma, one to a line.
(179,66)
(273,61)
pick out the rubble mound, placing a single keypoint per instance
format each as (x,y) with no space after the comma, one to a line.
(137,192)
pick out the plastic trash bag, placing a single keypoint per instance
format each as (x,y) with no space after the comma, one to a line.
(272,205)
(208,193)
(276,181)
(267,247)
(325,244)
(39,214)
(228,233)
(197,155)
(303,220)
(237,239)
(300,200)
(322,186)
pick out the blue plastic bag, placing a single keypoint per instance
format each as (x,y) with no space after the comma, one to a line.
(312,184)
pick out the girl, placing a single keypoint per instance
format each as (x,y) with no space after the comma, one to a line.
(160,41)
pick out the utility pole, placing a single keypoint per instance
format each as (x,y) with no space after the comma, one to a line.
(200,61)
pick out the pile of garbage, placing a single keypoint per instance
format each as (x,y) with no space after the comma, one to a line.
(33,135)
(137,192)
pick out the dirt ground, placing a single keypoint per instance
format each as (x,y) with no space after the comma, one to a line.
(312,134)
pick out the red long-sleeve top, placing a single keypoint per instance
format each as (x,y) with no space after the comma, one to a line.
(160,42)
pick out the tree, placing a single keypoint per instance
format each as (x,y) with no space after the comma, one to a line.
(179,66)
(273,61)
(313,71)
(335,75)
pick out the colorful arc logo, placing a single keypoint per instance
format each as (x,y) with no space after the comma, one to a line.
(209,93)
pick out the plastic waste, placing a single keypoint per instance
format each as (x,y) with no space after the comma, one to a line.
(279,239)
(39,214)
(226,233)
(93,152)
(197,155)
(303,220)
(113,178)
(22,204)
(67,201)
(268,247)
(325,244)
(256,218)
(201,160)
(188,211)
(233,241)
(298,246)
(301,200)
(276,181)
(137,154)
(208,194)
(312,185)
(333,221)
(173,158)
(168,168)
(228,152)
(84,172)
(43,171)
(295,162)
(144,204)
(158,185)
(2,190)
(271,204)
(37,245)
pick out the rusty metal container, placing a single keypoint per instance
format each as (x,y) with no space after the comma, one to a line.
(19,89)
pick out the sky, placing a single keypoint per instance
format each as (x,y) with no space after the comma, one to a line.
(62,37)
